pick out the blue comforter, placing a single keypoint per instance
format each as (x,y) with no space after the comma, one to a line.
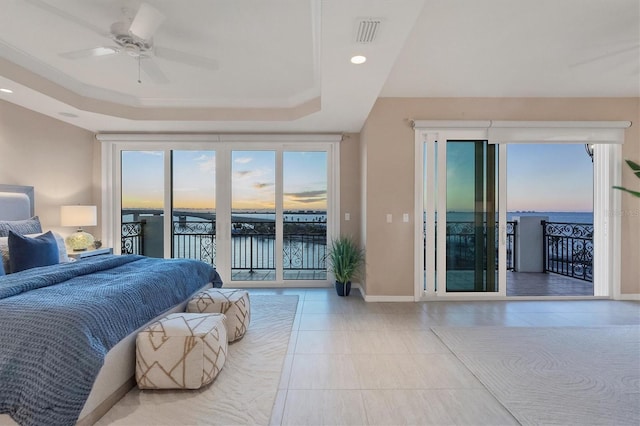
(58,322)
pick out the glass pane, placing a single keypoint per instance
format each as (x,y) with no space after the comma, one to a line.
(253,228)
(472,202)
(305,215)
(142,203)
(194,205)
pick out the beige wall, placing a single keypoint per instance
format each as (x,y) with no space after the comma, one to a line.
(388,183)
(350,185)
(377,171)
(54,157)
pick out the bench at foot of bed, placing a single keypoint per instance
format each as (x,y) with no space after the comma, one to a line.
(181,351)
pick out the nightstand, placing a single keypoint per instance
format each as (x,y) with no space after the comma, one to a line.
(89,253)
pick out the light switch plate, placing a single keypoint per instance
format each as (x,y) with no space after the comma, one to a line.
(389,218)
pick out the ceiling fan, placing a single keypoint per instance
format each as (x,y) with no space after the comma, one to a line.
(133,37)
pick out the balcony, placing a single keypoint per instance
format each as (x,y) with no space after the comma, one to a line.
(547,259)
(252,245)
(566,251)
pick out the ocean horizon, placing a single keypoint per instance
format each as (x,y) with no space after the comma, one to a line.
(320,216)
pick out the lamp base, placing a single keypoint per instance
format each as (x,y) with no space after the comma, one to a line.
(79,241)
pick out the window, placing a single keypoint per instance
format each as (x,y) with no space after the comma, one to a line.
(258,209)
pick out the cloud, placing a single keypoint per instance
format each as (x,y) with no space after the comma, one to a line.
(155,153)
(306,194)
(243,173)
(307,197)
(243,160)
(262,185)
(206,164)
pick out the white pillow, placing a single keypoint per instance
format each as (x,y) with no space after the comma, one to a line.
(4,249)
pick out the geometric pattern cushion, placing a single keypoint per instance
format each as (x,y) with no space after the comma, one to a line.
(181,351)
(231,302)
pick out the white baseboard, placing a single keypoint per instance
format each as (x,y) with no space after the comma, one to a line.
(384,298)
(630,296)
(389,299)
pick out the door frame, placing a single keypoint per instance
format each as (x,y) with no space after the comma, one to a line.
(607,138)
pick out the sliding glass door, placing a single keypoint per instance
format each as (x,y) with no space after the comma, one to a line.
(471,217)
(463,249)
(261,213)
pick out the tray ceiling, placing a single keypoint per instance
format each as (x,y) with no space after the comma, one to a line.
(283,65)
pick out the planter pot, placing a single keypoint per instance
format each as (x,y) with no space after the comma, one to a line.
(343,289)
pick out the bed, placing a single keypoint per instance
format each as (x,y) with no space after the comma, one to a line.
(67,340)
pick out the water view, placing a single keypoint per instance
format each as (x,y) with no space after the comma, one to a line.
(551,182)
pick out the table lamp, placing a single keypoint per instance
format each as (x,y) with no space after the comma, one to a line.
(79,216)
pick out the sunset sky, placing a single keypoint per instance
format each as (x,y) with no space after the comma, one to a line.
(540,177)
(252,182)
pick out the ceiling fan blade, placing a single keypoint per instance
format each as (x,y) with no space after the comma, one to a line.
(153,71)
(68,16)
(186,58)
(89,53)
(146,22)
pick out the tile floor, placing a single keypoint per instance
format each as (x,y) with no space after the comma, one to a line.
(356,363)
(518,283)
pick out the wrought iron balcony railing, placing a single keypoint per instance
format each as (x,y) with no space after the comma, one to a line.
(132,237)
(461,243)
(568,249)
(252,243)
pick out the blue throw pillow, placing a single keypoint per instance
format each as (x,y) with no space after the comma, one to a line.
(22,227)
(2,269)
(27,253)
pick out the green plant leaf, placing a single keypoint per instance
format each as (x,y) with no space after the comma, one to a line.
(634,193)
(636,171)
(635,167)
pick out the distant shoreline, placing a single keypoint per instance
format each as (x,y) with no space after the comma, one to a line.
(320,215)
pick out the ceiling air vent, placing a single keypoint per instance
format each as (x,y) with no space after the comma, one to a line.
(367,30)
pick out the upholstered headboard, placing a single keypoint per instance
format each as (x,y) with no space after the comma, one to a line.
(16,202)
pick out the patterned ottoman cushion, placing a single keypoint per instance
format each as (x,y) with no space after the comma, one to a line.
(181,351)
(233,303)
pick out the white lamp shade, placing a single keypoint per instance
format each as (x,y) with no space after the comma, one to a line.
(78,216)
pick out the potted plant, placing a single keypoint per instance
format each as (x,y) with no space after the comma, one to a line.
(345,260)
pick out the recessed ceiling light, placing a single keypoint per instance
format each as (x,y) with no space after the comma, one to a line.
(6,90)
(68,114)
(358,59)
